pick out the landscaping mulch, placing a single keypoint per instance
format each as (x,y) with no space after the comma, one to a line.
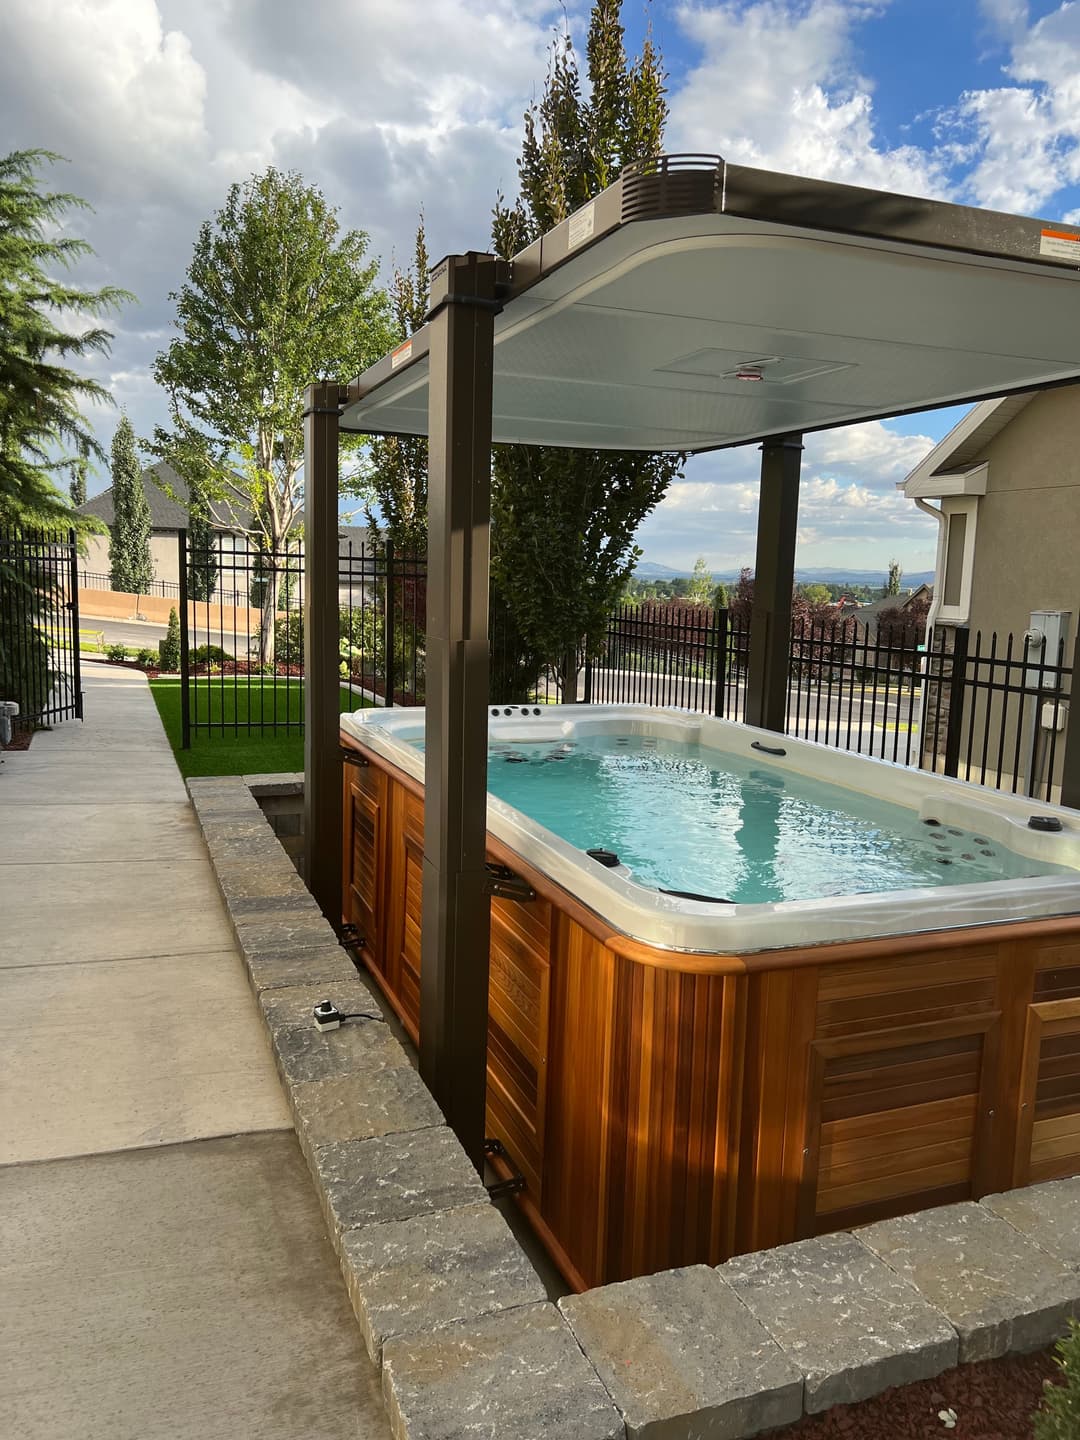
(994,1400)
(19,741)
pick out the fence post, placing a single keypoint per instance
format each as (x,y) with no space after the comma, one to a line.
(1070,761)
(73,611)
(957,681)
(388,626)
(587,699)
(720,638)
(185,642)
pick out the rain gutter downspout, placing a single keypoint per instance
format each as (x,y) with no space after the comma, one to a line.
(935,605)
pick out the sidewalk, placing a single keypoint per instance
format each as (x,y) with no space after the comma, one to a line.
(164,1268)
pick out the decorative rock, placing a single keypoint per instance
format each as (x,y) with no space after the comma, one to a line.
(369,1182)
(516,1374)
(317,964)
(999,1290)
(421,1274)
(363,1103)
(682,1356)
(310,1054)
(848,1321)
(292,1006)
(1049,1214)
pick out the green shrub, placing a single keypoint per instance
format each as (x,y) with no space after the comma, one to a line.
(147,659)
(209,655)
(1058,1418)
(169,648)
(116,653)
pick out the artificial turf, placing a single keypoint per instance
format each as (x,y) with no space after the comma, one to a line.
(225,751)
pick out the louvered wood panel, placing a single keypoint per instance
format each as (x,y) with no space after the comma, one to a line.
(365,858)
(1057,973)
(1048,1138)
(912,990)
(519,998)
(901,1120)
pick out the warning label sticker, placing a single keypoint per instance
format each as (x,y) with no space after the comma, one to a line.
(1060,245)
(582,224)
(400,355)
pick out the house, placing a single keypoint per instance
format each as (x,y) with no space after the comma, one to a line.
(866,617)
(168,516)
(1004,487)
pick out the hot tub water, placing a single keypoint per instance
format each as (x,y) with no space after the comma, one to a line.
(684,817)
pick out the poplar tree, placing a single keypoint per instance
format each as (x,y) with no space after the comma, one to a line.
(202,559)
(397,472)
(130,566)
(77,483)
(563,521)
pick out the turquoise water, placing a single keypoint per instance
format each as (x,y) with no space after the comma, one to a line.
(743,832)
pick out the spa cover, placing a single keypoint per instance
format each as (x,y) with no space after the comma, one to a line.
(696,304)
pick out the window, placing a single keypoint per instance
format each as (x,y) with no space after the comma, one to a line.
(957,559)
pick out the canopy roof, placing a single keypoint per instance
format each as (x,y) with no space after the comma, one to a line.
(695,305)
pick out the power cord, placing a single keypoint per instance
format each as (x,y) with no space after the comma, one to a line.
(328,1017)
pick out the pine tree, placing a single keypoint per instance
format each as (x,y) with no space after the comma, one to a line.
(40,396)
(892,584)
(169,648)
(130,565)
(563,521)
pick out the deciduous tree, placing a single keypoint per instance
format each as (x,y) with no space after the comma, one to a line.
(563,521)
(277,295)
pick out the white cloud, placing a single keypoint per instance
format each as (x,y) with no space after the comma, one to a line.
(777,87)
(1027,135)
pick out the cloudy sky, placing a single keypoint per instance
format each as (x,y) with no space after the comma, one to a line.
(392,104)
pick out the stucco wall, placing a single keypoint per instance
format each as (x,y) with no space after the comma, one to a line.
(1027,544)
(162,553)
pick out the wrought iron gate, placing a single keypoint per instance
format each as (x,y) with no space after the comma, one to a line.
(39,626)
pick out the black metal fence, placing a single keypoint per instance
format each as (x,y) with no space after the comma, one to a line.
(166,589)
(989,709)
(242,644)
(39,626)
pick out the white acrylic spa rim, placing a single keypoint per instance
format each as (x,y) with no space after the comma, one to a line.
(665,920)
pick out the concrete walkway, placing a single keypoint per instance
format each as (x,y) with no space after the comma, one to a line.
(164,1268)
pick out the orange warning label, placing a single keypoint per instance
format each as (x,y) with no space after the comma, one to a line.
(400,355)
(1060,245)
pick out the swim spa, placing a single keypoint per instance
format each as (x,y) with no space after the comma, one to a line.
(841,1015)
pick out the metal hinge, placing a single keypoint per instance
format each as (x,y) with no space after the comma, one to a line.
(505,885)
(352,757)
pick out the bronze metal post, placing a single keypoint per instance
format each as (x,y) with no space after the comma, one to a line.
(774,577)
(322,761)
(456,919)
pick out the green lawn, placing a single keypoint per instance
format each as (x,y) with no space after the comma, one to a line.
(253,752)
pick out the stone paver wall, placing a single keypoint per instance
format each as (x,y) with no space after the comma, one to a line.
(454,1313)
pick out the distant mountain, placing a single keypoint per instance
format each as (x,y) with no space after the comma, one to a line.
(650,570)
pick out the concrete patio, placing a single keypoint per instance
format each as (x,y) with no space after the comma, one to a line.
(164,1268)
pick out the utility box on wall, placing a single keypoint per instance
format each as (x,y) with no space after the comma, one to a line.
(1048,634)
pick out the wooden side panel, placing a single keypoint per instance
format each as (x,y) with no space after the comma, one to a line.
(673,1117)
(779,1030)
(574,1191)
(518,1014)
(1048,1137)
(364,870)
